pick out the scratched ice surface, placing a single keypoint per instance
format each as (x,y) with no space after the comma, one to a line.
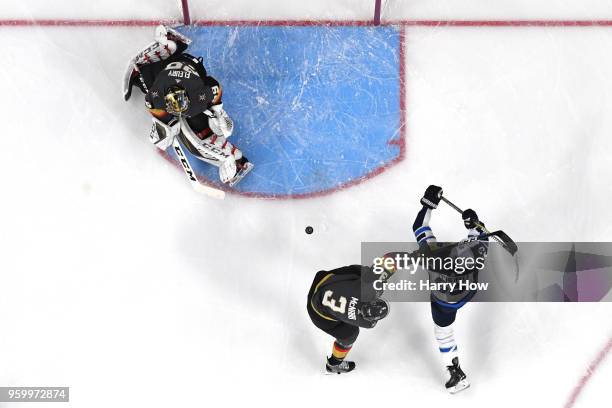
(314,107)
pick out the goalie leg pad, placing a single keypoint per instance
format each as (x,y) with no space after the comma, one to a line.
(219,152)
(221,144)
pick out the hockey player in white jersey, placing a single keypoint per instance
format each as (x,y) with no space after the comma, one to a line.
(185,103)
(444,305)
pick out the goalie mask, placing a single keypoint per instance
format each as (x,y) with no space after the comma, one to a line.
(177,101)
(375,310)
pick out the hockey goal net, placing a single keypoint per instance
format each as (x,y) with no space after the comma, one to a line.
(280,10)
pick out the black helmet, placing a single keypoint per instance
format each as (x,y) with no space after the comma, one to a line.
(177,101)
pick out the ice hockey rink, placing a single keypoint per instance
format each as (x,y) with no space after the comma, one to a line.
(121,282)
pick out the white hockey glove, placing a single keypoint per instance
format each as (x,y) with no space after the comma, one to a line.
(163,134)
(163,47)
(161,34)
(221,124)
(164,34)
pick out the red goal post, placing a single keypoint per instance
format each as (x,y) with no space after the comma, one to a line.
(185,7)
(187,17)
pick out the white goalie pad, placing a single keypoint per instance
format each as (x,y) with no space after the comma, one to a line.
(216,151)
(162,48)
(211,152)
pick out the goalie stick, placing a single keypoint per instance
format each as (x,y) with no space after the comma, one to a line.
(500,236)
(191,175)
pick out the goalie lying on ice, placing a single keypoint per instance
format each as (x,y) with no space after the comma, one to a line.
(185,103)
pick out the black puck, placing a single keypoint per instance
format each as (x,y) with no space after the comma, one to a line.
(309,230)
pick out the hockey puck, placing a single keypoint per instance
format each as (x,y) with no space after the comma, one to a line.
(309,230)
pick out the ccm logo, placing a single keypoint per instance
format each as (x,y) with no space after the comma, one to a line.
(185,163)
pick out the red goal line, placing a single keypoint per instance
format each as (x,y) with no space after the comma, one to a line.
(410,23)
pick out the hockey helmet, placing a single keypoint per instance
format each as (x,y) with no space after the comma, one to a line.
(177,101)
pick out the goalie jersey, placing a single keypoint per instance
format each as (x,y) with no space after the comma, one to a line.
(189,73)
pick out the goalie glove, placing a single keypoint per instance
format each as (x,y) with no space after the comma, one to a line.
(164,34)
(220,123)
(165,45)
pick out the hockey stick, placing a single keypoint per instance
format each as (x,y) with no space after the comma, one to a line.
(500,236)
(191,175)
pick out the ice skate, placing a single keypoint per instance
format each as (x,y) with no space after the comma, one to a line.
(458,380)
(244,167)
(342,367)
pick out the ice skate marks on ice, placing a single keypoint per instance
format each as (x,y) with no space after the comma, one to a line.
(316,109)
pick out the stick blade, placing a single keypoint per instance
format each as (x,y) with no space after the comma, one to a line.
(209,191)
(507,242)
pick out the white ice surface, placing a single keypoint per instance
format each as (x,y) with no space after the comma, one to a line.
(120,282)
(496,10)
(76,9)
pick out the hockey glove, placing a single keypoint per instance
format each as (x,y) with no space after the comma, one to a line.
(163,34)
(470,219)
(375,310)
(432,197)
(221,124)
(162,134)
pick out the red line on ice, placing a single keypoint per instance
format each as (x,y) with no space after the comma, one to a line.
(503,23)
(85,23)
(585,378)
(424,23)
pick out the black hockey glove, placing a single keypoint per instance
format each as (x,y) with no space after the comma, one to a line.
(432,197)
(375,310)
(470,219)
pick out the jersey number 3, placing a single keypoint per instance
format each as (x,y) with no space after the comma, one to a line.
(337,306)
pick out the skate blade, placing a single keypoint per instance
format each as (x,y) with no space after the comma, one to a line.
(247,168)
(333,372)
(461,385)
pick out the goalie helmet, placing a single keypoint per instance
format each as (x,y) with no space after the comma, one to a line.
(177,101)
